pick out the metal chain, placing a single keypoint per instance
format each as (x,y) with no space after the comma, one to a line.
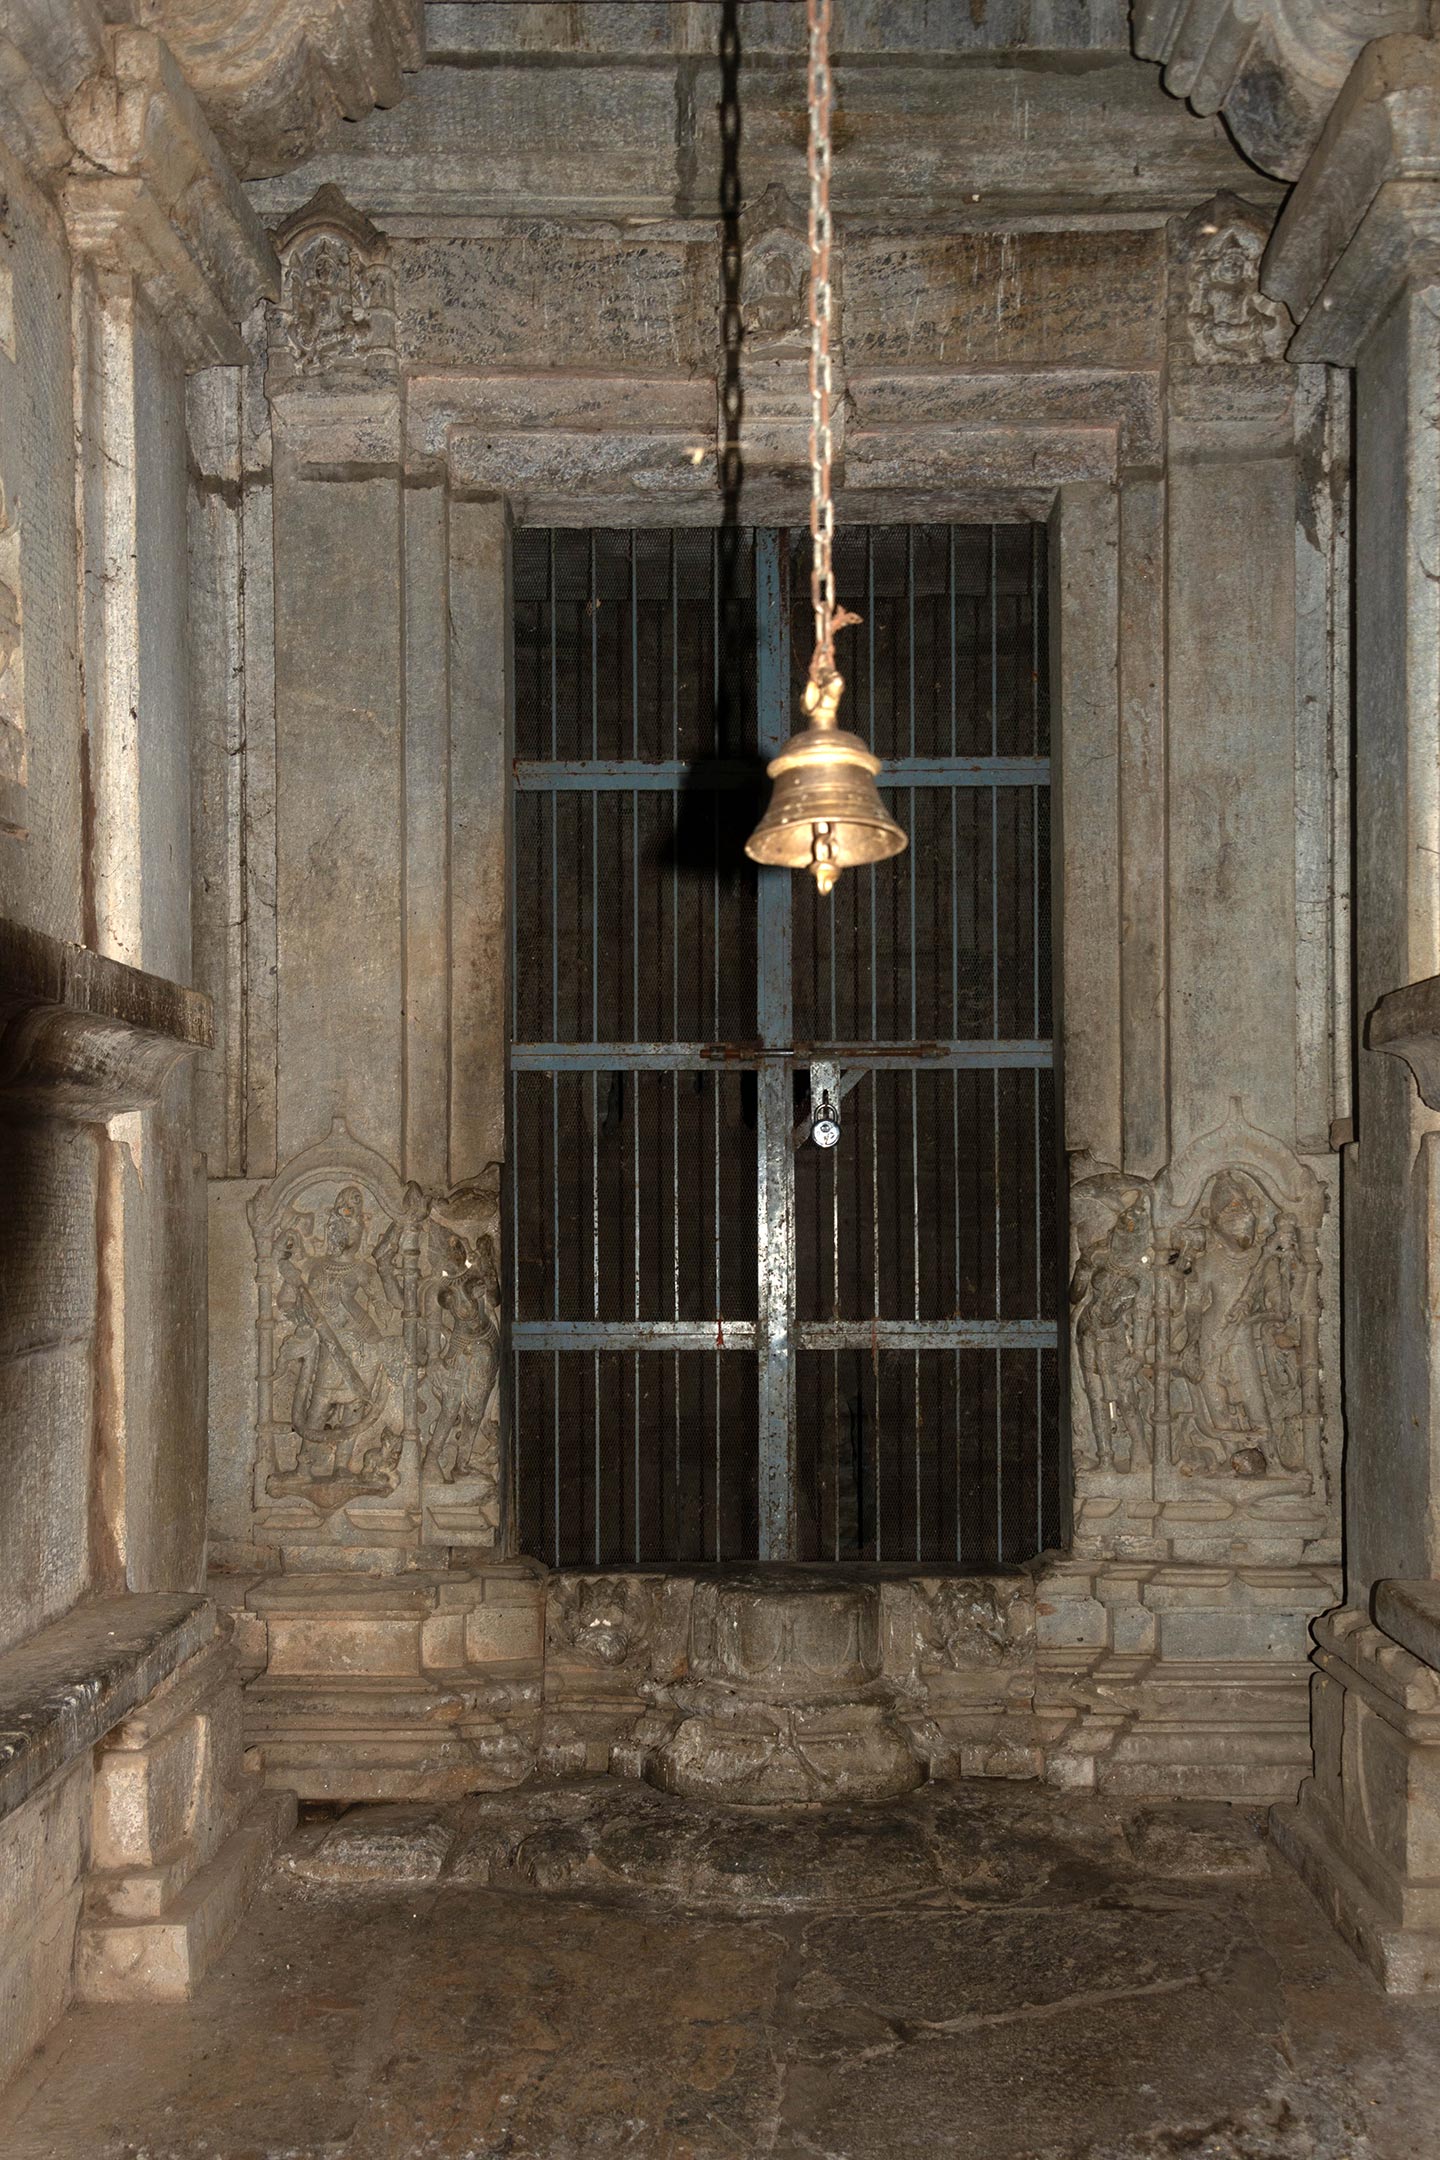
(822,507)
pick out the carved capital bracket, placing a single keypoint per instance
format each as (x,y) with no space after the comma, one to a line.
(1274,68)
(149,195)
(86,1037)
(276,77)
(1406,1024)
(1364,221)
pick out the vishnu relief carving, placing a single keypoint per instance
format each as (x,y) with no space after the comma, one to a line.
(1195,1312)
(335,319)
(1226,319)
(379,1341)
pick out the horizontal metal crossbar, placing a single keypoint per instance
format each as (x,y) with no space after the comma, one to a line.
(595,1335)
(979,1056)
(551,775)
(926,1334)
(632,1335)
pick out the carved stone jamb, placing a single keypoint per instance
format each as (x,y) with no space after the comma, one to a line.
(1273,67)
(1219,318)
(276,77)
(333,327)
(1115,1404)
(150,197)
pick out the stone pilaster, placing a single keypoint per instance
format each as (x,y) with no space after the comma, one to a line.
(1356,258)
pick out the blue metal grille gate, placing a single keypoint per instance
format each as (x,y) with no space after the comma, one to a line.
(728,1344)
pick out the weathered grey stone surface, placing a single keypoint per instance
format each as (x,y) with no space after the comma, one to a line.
(1010,1977)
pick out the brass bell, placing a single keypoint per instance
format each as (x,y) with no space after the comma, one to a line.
(825,813)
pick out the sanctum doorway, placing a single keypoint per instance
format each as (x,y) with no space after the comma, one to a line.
(730,1343)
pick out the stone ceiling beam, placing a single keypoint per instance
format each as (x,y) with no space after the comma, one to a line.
(1274,68)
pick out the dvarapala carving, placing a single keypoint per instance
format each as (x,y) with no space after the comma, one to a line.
(1195,1309)
(379,1328)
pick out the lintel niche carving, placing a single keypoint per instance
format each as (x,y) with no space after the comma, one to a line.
(1219,316)
(1195,1309)
(334,324)
(379,1350)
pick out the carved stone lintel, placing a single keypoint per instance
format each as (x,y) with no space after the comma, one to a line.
(1406,1024)
(86,1037)
(1365,219)
(149,195)
(775,342)
(1273,67)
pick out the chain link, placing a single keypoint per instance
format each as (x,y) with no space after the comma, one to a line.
(822,507)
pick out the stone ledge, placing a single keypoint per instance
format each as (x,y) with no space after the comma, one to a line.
(1405,1960)
(163,1959)
(1410,1611)
(87,1037)
(70,1685)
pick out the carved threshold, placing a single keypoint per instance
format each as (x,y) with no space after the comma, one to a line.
(86,1037)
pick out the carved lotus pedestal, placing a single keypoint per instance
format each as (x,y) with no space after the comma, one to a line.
(785,1702)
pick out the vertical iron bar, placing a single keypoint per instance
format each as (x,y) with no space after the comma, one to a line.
(776,1096)
(955,1024)
(1035,1024)
(675,1026)
(995,1015)
(555,1037)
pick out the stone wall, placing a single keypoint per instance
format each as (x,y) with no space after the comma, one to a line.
(130,1832)
(1049,309)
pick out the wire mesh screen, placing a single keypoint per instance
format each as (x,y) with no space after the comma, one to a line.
(730,1345)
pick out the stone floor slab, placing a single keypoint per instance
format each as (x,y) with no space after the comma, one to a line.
(989,1973)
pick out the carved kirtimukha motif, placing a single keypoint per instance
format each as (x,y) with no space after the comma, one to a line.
(1228,321)
(379,1337)
(335,320)
(1195,1314)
